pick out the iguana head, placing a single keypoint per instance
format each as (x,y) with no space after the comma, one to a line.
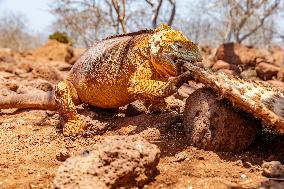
(167,46)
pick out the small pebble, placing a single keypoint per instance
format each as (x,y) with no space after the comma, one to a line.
(239,163)
(50,113)
(243,176)
(62,155)
(181,156)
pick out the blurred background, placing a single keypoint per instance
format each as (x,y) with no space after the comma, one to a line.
(28,24)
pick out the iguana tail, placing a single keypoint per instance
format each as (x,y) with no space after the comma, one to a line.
(44,100)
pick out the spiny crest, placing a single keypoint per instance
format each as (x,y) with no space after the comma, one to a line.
(163,27)
(145,31)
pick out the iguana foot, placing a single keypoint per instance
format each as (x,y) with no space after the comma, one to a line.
(73,127)
(65,96)
(156,107)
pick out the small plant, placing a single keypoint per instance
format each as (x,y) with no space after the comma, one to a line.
(61,37)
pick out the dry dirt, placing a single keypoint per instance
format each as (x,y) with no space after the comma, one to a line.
(32,142)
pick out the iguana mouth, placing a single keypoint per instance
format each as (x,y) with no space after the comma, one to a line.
(180,68)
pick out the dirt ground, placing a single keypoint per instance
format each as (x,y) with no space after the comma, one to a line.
(32,140)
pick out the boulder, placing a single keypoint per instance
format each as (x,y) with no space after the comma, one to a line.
(222,66)
(211,123)
(237,54)
(267,71)
(118,161)
(273,169)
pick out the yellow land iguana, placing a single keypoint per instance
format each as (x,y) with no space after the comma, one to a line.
(116,71)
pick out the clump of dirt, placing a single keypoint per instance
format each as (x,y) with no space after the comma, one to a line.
(213,124)
(117,161)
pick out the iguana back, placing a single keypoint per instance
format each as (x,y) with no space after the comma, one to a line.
(101,75)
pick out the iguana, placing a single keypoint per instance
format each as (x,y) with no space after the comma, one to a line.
(116,71)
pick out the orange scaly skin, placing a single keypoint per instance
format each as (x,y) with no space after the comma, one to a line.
(119,70)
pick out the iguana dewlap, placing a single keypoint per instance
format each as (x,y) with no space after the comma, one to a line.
(116,71)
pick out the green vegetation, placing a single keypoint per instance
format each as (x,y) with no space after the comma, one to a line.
(61,37)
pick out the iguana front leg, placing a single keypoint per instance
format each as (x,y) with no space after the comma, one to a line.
(153,90)
(65,98)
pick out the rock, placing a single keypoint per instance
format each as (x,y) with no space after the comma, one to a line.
(6,55)
(7,75)
(276,83)
(27,89)
(237,54)
(223,66)
(186,89)
(44,86)
(11,86)
(267,71)
(64,66)
(280,74)
(175,104)
(62,155)
(270,184)
(118,161)
(135,108)
(213,124)
(228,72)
(273,169)
(263,55)
(207,63)
(249,74)
(46,72)
(220,64)
(181,156)
(53,50)
(69,57)
(206,50)
(278,55)
(25,68)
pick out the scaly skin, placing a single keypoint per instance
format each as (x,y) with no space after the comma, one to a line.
(121,69)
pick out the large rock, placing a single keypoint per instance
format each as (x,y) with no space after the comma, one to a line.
(273,169)
(237,54)
(118,161)
(54,50)
(276,83)
(213,124)
(6,55)
(278,55)
(222,66)
(46,72)
(267,71)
